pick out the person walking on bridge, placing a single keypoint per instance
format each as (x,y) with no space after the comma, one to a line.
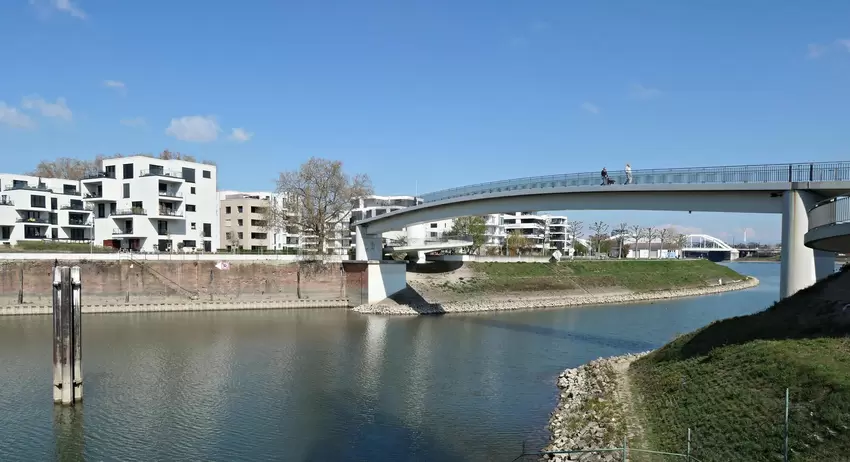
(604,176)
(628,174)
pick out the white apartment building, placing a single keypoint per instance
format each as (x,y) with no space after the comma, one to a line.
(146,204)
(37,209)
(373,206)
(543,232)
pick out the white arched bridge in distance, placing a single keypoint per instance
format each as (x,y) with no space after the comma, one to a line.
(787,189)
(696,246)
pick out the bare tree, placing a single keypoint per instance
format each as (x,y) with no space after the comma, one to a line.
(649,233)
(637,233)
(663,236)
(599,229)
(317,198)
(63,167)
(577,228)
(621,231)
(516,242)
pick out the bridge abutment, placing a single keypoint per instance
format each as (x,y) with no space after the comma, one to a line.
(801,266)
(376,278)
(367,246)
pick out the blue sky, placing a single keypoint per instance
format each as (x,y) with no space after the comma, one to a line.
(433,93)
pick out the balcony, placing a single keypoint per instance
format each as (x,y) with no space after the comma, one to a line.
(79,208)
(129,212)
(33,221)
(98,176)
(41,187)
(94,197)
(168,195)
(68,192)
(5,201)
(165,174)
(166,213)
(78,223)
(122,232)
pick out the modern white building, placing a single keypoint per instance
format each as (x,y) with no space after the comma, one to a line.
(146,204)
(37,209)
(543,232)
(373,206)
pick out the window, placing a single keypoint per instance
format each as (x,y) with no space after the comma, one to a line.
(239,235)
(226,209)
(101,210)
(258,209)
(433,234)
(128,171)
(207,174)
(112,207)
(193,226)
(208,230)
(192,190)
(188,243)
(53,203)
(189,175)
(433,225)
(190,208)
(137,204)
(228,235)
(110,171)
(259,235)
(207,246)
(69,189)
(38,201)
(126,190)
(239,222)
(239,209)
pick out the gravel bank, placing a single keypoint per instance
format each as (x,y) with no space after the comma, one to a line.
(497,304)
(591,412)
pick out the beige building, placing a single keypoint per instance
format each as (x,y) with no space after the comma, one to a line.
(243,221)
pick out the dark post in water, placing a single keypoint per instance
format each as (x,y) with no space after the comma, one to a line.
(67,336)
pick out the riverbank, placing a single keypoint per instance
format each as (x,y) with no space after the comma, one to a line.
(594,409)
(412,303)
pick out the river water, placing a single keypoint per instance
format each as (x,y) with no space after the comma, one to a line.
(323,384)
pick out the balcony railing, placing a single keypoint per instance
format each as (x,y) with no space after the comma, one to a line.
(121,231)
(95,195)
(33,221)
(131,211)
(40,187)
(170,194)
(6,202)
(80,207)
(734,174)
(70,192)
(79,222)
(98,175)
(170,213)
(834,211)
(164,173)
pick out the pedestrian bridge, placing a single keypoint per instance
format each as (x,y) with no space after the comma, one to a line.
(793,190)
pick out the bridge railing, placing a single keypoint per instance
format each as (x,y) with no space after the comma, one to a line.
(735,174)
(832,211)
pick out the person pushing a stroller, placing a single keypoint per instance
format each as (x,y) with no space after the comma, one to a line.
(605,179)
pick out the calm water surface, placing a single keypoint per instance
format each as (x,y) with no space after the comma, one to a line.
(324,384)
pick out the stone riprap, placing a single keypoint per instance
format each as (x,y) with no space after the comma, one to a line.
(497,304)
(591,414)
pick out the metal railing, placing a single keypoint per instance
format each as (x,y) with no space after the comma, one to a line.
(170,194)
(79,222)
(170,213)
(5,201)
(93,195)
(69,192)
(97,175)
(829,212)
(40,187)
(165,173)
(131,211)
(81,207)
(121,231)
(34,221)
(738,174)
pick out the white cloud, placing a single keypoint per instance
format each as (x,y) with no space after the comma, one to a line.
(241,135)
(816,50)
(843,43)
(134,122)
(591,108)
(115,84)
(199,129)
(70,8)
(47,109)
(642,92)
(12,117)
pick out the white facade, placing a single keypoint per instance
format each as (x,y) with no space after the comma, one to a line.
(147,204)
(373,206)
(37,209)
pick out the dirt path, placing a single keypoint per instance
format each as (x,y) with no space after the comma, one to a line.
(624,396)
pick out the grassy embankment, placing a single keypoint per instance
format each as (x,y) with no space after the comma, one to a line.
(63,247)
(727,382)
(638,276)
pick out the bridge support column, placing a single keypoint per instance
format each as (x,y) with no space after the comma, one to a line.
(367,246)
(798,261)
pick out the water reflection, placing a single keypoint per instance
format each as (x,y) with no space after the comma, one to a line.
(323,384)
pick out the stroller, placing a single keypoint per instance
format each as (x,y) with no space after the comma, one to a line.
(606,180)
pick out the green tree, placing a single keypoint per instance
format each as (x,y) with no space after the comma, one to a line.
(516,242)
(579,248)
(474,228)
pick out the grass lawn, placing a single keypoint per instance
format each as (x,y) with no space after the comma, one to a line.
(47,246)
(639,276)
(727,383)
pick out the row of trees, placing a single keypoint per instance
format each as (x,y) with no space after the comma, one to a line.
(77,169)
(624,234)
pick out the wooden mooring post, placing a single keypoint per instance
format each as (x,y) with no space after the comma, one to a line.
(67,336)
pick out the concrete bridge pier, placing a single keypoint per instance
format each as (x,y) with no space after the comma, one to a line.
(379,278)
(367,246)
(801,265)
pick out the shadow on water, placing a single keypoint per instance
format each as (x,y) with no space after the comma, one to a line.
(600,340)
(68,433)
(379,436)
